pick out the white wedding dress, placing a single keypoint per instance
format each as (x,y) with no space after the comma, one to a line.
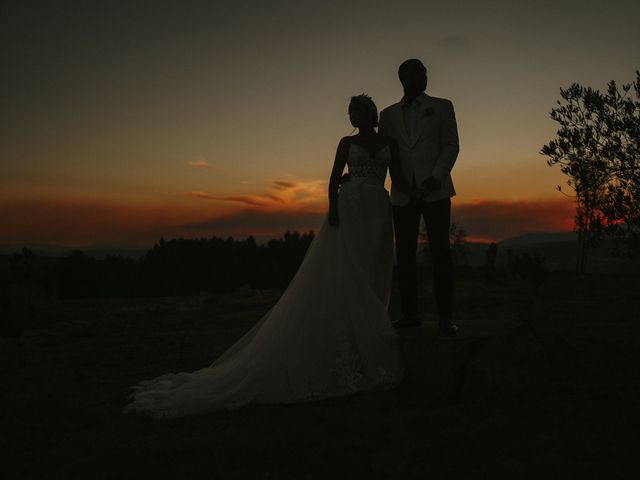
(328,335)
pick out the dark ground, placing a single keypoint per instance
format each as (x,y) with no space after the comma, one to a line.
(541,384)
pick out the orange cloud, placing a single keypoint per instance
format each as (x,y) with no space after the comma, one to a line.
(283,185)
(83,221)
(254,200)
(485,220)
(283,196)
(199,162)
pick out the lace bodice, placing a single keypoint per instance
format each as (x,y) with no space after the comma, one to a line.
(362,164)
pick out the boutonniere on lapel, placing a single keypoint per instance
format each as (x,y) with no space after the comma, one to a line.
(427,112)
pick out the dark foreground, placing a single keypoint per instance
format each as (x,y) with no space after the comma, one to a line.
(541,384)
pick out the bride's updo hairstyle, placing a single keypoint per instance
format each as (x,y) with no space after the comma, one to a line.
(367,104)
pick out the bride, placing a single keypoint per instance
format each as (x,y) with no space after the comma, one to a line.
(330,333)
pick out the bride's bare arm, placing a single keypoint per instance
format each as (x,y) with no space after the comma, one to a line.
(336,174)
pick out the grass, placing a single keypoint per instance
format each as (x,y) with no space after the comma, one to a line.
(64,387)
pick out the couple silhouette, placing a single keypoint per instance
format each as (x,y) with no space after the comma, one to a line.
(330,333)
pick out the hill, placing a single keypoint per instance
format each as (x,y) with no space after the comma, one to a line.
(99,251)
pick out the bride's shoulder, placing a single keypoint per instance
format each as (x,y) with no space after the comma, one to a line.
(344,143)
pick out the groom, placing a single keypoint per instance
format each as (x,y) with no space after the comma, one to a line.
(425,131)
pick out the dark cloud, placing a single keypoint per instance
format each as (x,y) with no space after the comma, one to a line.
(73,222)
(255,222)
(486,220)
(495,220)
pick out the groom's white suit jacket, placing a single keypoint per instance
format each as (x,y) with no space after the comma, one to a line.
(432,149)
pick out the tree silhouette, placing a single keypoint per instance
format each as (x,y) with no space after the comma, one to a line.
(458,239)
(597,147)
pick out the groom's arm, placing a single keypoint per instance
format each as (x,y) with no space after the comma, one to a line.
(449,143)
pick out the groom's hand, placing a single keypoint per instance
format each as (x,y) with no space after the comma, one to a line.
(415,197)
(430,185)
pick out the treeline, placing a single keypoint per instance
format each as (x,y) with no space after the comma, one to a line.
(177,267)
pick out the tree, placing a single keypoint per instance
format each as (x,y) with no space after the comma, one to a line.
(597,147)
(621,202)
(458,239)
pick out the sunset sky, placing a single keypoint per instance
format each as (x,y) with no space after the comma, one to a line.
(125,121)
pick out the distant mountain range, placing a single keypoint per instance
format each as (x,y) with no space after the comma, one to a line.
(535,238)
(97,251)
(102,250)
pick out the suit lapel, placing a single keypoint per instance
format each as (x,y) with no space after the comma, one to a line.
(398,120)
(423,120)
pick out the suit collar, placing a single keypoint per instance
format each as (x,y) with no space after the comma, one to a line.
(420,99)
(399,122)
(423,103)
(423,118)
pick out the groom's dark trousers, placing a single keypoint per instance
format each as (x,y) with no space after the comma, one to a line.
(406,221)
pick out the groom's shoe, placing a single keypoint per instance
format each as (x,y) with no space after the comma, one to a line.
(407,321)
(447,327)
